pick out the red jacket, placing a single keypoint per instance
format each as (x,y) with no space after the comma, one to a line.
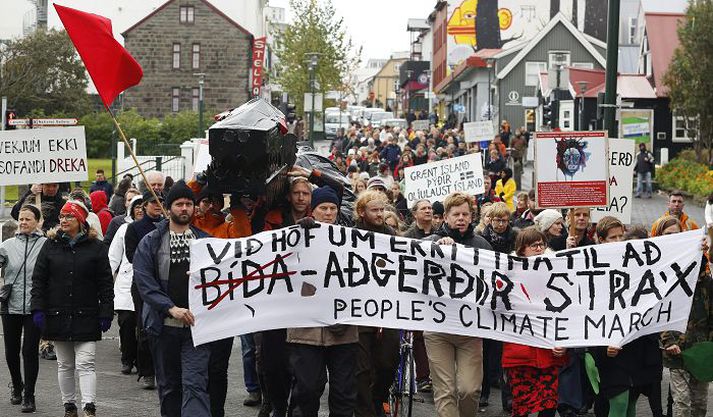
(521,355)
(100,208)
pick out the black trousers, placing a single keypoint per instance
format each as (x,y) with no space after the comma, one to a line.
(13,326)
(218,375)
(127,336)
(310,365)
(274,369)
(144,360)
(377,362)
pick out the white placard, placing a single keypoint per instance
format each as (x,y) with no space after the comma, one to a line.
(318,97)
(435,180)
(420,125)
(604,295)
(33,156)
(622,157)
(478,131)
(202,156)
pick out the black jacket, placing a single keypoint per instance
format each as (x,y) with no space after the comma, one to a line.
(414,232)
(73,286)
(469,238)
(639,363)
(504,243)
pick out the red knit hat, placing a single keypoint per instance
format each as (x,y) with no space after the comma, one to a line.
(76,209)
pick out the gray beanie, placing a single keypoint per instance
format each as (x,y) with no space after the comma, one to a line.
(546,219)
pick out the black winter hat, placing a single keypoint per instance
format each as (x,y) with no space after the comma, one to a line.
(438,208)
(179,190)
(324,194)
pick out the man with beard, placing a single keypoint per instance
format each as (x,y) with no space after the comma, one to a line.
(378,354)
(181,367)
(135,231)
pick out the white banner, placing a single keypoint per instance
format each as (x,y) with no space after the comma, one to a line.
(435,180)
(420,125)
(478,131)
(31,156)
(605,295)
(622,158)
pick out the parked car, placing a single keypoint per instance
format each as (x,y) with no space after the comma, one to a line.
(334,121)
(378,118)
(402,123)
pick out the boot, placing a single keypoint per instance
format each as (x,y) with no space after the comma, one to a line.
(70,410)
(15,393)
(28,403)
(90,410)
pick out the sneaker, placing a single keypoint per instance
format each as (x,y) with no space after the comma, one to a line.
(254,399)
(148,382)
(70,410)
(90,410)
(28,404)
(15,394)
(126,368)
(424,386)
(265,409)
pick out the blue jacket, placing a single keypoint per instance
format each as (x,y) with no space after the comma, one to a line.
(392,154)
(151,267)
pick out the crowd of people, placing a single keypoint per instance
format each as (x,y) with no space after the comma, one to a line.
(78,260)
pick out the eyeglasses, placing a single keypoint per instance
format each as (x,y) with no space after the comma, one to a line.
(537,245)
(499,221)
(66,217)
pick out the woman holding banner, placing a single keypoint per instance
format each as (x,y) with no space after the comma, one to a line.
(532,373)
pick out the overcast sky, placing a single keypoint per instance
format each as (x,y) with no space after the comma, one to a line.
(377,25)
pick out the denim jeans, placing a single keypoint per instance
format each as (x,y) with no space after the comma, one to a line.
(640,178)
(247,345)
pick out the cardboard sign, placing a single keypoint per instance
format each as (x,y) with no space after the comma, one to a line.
(203,157)
(33,156)
(420,125)
(435,180)
(604,295)
(622,157)
(478,131)
(571,169)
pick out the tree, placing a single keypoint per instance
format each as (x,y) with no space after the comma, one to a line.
(314,29)
(595,18)
(98,130)
(688,76)
(42,71)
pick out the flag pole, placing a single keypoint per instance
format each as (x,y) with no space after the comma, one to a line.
(136,161)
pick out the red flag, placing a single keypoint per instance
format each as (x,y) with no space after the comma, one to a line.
(111,67)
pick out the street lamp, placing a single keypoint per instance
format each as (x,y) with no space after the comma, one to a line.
(201,82)
(582,89)
(312,61)
(490,63)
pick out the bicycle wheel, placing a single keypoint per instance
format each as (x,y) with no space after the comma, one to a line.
(396,393)
(409,384)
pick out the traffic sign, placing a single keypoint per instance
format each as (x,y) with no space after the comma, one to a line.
(42,122)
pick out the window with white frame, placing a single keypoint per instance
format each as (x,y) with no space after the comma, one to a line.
(195,99)
(558,58)
(532,72)
(186,14)
(176,55)
(679,129)
(631,30)
(196,57)
(175,98)
(587,65)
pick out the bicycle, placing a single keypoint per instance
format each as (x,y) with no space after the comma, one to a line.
(403,390)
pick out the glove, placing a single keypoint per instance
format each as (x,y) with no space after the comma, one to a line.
(308,223)
(105,325)
(202,178)
(38,317)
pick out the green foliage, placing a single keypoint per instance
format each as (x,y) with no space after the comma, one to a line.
(98,129)
(688,76)
(314,29)
(687,175)
(42,74)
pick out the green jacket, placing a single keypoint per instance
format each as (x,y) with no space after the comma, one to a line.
(700,321)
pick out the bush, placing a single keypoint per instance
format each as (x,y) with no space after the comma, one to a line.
(686,175)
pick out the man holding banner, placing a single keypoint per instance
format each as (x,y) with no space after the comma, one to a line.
(455,361)
(51,200)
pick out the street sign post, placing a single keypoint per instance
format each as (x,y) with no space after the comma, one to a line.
(42,122)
